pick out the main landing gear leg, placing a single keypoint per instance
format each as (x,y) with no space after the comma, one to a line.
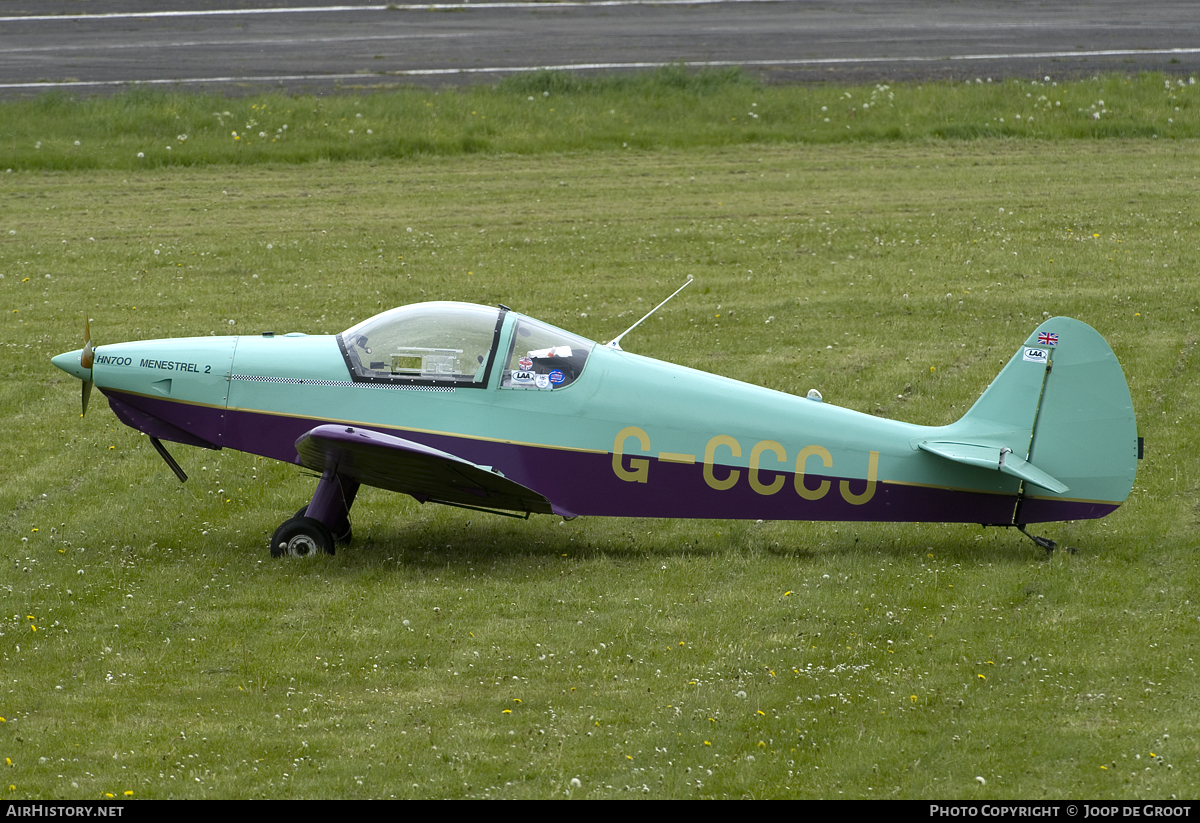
(324,521)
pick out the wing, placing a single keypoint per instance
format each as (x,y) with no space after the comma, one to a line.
(427,474)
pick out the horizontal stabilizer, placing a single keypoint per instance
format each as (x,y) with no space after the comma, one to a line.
(995,458)
(399,465)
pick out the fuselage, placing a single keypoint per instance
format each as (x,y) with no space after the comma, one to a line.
(628,436)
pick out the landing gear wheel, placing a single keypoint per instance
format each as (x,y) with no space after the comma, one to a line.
(341,531)
(301,537)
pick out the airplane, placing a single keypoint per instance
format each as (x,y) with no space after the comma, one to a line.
(486,408)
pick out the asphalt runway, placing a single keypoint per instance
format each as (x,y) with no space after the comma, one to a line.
(99,46)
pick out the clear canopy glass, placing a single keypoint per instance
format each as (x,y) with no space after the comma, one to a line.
(543,357)
(441,342)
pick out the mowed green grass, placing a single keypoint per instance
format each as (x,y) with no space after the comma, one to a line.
(151,647)
(543,112)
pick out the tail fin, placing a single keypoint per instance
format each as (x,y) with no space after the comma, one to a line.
(1060,418)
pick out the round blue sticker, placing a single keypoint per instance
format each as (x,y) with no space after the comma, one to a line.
(557,377)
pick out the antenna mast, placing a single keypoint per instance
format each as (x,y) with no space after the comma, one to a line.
(615,343)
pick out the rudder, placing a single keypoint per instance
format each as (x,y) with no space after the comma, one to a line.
(1059,417)
(1086,431)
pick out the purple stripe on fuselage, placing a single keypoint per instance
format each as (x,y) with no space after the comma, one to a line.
(1042,510)
(177,422)
(585,483)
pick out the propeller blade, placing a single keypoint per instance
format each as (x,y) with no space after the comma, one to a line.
(86,358)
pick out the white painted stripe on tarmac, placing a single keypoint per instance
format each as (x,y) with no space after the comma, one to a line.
(274,41)
(139,15)
(383,76)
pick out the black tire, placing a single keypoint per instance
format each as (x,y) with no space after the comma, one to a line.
(342,533)
(301,537)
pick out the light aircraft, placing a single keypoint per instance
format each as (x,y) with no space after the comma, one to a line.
(486,408)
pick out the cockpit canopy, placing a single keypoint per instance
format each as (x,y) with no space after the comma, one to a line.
(455,344)
(443,342)
(543,357)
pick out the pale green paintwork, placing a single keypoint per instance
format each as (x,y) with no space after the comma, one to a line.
(681,410)
(211,358)
(1086,434)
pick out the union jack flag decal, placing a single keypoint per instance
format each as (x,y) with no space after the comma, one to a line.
(1047,338)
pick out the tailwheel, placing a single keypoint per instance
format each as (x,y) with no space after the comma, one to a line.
(301,537)
(1045,542)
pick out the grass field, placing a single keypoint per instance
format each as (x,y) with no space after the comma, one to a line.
(150,647)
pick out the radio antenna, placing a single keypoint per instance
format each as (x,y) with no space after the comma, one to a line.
(615,343)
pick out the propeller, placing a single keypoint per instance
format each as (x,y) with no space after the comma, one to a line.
(86,358)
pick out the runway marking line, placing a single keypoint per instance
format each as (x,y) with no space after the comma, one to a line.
(284,78)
